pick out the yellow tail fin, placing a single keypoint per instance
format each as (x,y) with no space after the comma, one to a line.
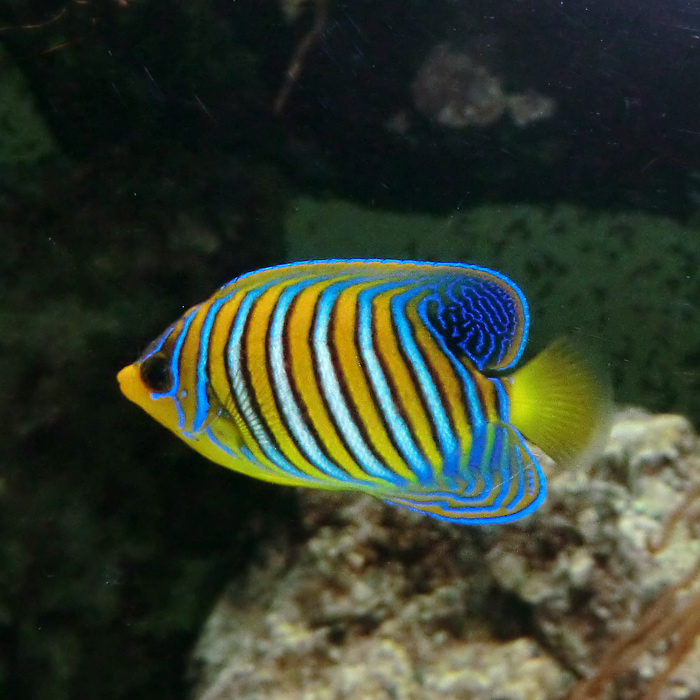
(561,401)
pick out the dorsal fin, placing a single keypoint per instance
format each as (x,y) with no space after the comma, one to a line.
(482,318)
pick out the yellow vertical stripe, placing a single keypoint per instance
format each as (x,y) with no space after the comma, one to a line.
(344,339)
(255,342)
(298,334)
(220,333)
(189,355)
(449,384)
(218,372)
(408,397)
(487,392)
(230,429)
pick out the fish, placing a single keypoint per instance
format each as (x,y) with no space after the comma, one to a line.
(400,379)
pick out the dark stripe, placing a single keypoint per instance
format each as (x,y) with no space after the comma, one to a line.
(418,384)
(211,352)
(391,438)
(296,393)
(270,448)
(393,391)
(203,388)
(271,381)
(246,378)
(361,447)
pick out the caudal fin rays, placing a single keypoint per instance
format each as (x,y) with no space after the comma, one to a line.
(561,401)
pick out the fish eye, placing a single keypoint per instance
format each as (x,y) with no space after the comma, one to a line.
(156,374)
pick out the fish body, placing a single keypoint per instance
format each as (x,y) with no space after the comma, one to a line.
(394,378)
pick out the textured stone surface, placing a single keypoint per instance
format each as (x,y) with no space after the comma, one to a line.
(376,602)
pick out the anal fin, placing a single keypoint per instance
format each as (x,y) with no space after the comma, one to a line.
(503,481)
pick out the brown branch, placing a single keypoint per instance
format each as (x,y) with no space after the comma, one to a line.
(51,20)
(296,65)
(670,618)
(684,511)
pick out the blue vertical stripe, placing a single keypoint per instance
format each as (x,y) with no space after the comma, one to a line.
(280,380)
(446,437)
(242,396)
(397,425)
(175,371)
(202,379)
(331,387)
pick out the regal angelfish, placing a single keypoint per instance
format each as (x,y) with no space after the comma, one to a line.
(391,378)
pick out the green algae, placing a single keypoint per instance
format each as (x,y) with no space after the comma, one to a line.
(625,282)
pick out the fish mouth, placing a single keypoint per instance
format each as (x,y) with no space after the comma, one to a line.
(134,388)
(129,381)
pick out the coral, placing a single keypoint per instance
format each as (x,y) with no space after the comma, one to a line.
(625,281)
(657,648)
(378,602)
(454,91)
(529,106)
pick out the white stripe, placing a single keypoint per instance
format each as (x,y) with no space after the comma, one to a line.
(330,385)
(283,390)
(448,440)
(241,394)
(397,425)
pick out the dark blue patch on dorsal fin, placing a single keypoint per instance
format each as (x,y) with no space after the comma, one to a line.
(476,317)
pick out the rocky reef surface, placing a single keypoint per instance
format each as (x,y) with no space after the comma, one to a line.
(593,596)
